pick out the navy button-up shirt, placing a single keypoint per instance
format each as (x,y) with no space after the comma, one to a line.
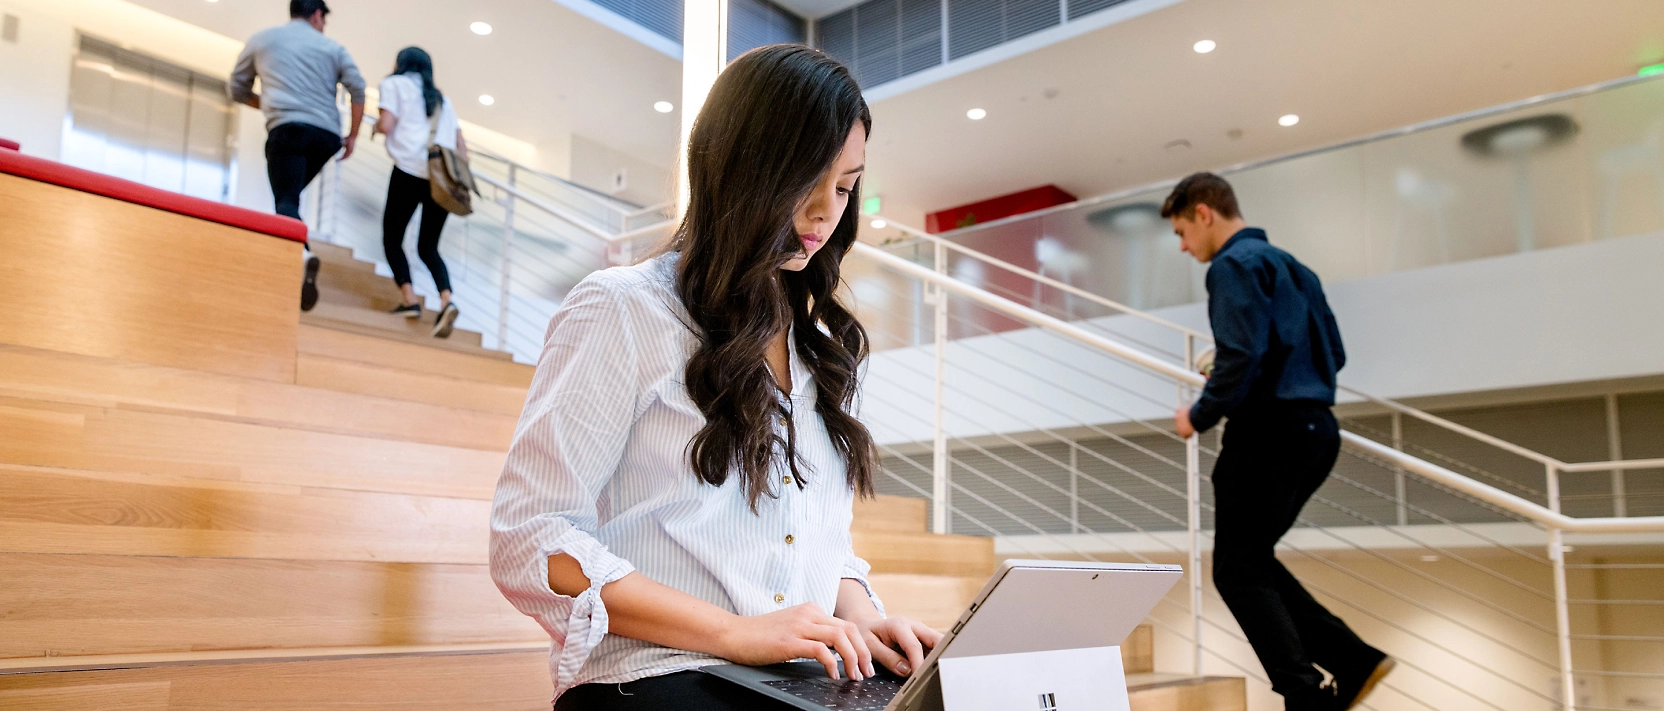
(1275,338)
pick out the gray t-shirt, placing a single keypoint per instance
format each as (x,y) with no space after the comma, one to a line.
(298,68)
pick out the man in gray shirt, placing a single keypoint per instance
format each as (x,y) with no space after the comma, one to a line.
(299,68)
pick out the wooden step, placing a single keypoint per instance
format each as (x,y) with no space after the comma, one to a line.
(424,357)
(78,605)
(1173,692)
(385,325)
(509,680)
(925,553)
(936,600)
(62,377)
(121,440)
(44,510)
(392,383)
(892,513)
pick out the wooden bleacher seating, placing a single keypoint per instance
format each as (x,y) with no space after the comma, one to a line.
(209,500)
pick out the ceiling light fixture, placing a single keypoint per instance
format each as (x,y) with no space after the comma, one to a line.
(663,107)
(976,114)
(879,224)
(1204,46)
(487,99)
(481,28)
(1288,120)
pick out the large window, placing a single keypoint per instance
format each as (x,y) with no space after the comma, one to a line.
(140,118)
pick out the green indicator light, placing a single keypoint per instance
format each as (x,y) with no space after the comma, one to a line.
(874,205)
(1651,70)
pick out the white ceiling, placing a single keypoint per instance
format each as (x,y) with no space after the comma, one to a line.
(551,70)
(1117,96)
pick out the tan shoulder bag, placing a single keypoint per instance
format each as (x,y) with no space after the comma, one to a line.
(449,178)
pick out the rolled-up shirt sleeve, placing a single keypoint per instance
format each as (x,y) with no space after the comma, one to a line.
(583,400)
(857,569)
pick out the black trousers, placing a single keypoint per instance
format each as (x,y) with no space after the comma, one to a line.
(1271,464)
(682,691)
(404,193)
(295,152)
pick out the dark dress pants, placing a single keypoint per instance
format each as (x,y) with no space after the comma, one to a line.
(682,691)
(1272,462)
(295,152)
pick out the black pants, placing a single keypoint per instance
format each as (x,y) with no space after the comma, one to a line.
(1271,464)
(682,691)
(295,152)
(404,193)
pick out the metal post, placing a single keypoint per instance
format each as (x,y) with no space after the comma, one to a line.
(1562,611)
(940,485)
(334,201)
(508,264)
(1615,452)
(1193,513)
(1074,487)
(1398,472)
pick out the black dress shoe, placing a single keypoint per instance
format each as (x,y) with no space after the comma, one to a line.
(309,283)
(1352,688)
(408,310)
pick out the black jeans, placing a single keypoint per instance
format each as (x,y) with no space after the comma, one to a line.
(404,193)
(1271,464)
(295,152)
(682,691)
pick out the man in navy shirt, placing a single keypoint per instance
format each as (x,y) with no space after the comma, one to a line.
(1277,348)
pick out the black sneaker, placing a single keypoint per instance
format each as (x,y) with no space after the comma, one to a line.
(447,319)
(309,283)
(1354,687)
(408,310)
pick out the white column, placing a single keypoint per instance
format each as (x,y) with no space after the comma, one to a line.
(704,53)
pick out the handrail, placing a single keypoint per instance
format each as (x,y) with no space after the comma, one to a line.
(550,209)
(1371,138)
(1440,475)
(1048,281)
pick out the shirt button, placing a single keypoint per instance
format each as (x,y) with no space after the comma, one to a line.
(785,422)
(787,479)
(778,598)
(790,539)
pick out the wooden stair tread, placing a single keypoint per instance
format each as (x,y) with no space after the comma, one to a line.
(430,356)
(925,553)
(390,326)
(892,513)
(136,441)
(95,662)
(61,377)
(349,376)
(83,605)
(1175,692)
(56,511)
(500,681)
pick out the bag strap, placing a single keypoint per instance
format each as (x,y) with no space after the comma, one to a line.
(433,123)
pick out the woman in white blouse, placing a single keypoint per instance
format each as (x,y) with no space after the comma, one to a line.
(414,115)
(678,491)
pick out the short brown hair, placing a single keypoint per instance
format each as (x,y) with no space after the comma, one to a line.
(1201,189)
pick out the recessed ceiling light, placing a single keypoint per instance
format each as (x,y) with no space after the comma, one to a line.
(976,114)
(1204,46)
(663,107)
(480,28)
(879,224)
(487,99)
(1288,120)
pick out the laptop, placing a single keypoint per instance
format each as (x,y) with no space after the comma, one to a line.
(1027,606)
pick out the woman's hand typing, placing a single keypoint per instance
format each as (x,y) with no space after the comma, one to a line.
(803,631)
(899,643)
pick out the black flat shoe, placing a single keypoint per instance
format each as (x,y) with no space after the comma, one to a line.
(1352,689)
(309,284)
(447,319)
(408,310)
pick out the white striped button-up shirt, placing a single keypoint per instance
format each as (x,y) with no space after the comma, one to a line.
(599,470)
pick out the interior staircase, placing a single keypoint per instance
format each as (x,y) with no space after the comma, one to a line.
(179,538)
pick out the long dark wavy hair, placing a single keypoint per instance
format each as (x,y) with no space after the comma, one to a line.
(416,59)
(774,123)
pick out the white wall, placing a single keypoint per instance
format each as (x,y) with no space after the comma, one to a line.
(1563,315)
(594,165)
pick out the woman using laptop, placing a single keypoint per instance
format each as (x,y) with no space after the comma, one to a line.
(678,491)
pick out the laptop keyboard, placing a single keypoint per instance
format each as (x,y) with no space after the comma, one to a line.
(842,694)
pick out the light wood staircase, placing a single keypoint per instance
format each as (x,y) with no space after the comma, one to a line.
(352,297)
